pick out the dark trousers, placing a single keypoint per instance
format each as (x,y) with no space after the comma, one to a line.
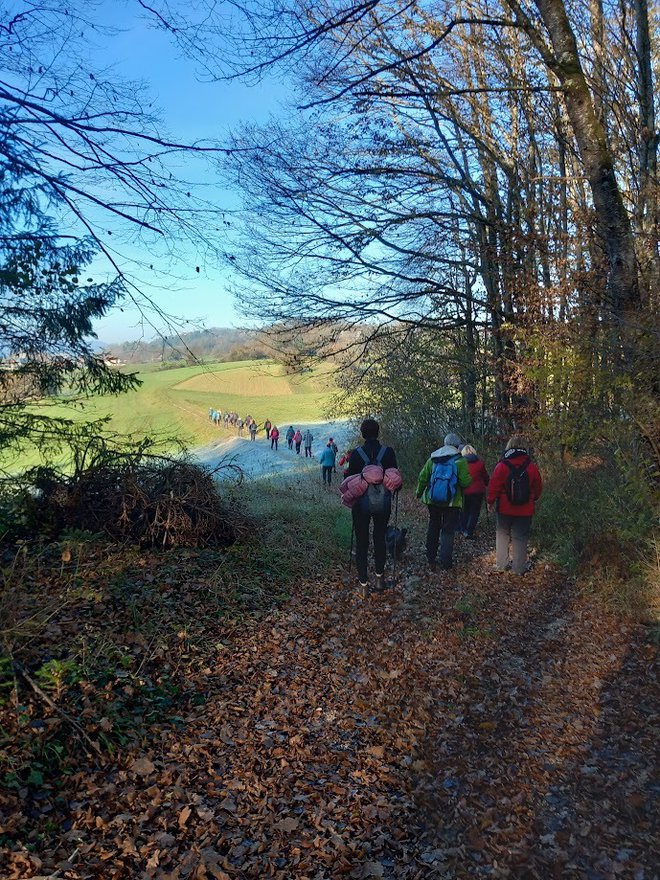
(361,527)
(326,473)
(267,433)
(308,451)
(443,522)
(297,448)
(273,443)
(470,515)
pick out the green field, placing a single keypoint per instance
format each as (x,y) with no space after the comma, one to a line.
(176,402)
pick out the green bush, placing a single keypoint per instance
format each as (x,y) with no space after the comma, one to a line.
(596,518)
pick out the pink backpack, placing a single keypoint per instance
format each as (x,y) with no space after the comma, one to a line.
(392,479)
(352,489)
(373,474)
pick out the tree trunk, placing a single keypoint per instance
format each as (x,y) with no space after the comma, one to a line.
(648,219)
(622,281)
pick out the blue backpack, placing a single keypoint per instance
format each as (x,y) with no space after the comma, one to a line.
(444,480)
(377,499)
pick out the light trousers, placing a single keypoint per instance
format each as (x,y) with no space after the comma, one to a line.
(514,530)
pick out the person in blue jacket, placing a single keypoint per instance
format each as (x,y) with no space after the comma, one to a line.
(327,459)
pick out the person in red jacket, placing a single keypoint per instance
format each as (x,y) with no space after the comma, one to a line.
(515,486)
(475,493)
(344,460)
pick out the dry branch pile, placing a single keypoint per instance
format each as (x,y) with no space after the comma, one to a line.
(156,502)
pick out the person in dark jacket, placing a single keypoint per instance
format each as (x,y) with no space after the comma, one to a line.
(475,493)
(362,516)
(513,521)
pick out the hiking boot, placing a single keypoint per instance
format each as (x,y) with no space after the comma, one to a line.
(364,587)
(381,583)
(432,566)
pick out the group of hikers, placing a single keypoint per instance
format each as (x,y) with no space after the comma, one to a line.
(453,484)
(293,436)
(233,420)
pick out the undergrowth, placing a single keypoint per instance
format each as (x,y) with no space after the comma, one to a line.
(101,642)
(597,518)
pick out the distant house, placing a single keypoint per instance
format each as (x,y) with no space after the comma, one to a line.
(110,360)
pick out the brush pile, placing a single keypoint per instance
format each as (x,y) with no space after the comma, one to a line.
(156,502)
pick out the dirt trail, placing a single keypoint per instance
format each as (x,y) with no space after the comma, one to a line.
(464,724)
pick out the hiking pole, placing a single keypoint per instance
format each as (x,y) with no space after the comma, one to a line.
(396,523)
(350,554)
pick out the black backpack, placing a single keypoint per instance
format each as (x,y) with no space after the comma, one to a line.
(516,484)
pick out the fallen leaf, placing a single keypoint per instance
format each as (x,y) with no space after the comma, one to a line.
(143,767)
(289,824)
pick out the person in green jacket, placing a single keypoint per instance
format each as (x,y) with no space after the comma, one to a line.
(444,515)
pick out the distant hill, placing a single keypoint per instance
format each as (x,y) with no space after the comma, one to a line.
(217,344)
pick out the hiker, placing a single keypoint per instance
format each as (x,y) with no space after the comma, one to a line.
(267,426)
(297,439)
(210,414)
(363,512)
(274,437)
(475,493)
(344,460)
(332,443)
(515,486)
(290,433)
(308,439)
(253,430)
(440,486)
(327,459)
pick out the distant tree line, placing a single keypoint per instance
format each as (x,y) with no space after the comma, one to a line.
(216,344)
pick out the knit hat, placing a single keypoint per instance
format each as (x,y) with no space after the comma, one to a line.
(453,440)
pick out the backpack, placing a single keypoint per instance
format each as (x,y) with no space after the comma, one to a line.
(444,480)
(516,484)
(377,499)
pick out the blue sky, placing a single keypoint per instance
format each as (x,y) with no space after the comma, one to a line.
(191,109)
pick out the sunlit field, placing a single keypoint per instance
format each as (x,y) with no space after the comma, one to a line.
(176,402)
